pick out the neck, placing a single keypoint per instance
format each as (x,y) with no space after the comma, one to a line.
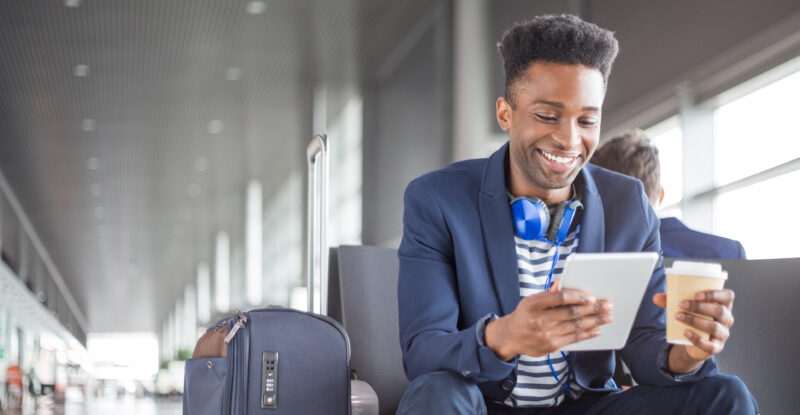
(519,186)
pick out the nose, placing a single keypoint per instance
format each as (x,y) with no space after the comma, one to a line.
(569,135)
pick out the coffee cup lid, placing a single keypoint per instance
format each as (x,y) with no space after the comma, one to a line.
(700,269)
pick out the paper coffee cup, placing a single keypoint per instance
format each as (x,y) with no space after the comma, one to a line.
(684,280)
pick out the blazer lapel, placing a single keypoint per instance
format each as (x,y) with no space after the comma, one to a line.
(498,232)
(593,225)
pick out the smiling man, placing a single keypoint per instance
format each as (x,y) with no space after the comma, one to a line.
(481,329)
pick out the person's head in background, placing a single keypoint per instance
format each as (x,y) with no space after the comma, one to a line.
(631,153)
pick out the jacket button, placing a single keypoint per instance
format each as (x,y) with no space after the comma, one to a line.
(466,373)
(508,384)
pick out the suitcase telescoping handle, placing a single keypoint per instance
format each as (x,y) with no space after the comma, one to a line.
(317,254)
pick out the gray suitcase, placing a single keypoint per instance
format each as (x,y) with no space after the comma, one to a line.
(278,360)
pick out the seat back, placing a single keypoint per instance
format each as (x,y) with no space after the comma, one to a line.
(765,340)
(367,280)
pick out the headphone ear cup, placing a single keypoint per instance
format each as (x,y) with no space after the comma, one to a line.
(557,221)
(531,217)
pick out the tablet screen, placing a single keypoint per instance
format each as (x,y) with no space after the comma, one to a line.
(620,278)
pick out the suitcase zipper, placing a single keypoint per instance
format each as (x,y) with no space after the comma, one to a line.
(238,356)
(240,322)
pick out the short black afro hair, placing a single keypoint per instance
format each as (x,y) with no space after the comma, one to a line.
(557,39)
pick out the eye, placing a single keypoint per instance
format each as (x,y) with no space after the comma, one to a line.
(546,118)
(588,122)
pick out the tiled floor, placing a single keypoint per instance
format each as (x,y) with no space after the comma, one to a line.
(129,406)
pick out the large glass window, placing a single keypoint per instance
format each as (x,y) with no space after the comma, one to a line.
(755,132)
(667,136)
(760,217)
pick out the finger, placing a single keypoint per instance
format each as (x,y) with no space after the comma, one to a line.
(715,311)
(573,311)
(724,297)
(550,299)
(660,300)
(713,328)
(574,337)
(583,324)
(713,346)
(555,285)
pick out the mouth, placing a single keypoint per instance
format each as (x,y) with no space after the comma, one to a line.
(558,162)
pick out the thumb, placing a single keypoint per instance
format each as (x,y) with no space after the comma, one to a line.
(660,300)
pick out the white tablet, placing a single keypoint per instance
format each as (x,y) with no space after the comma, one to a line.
(621,278)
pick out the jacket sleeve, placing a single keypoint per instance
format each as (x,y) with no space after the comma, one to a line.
(647,350)
(428,303)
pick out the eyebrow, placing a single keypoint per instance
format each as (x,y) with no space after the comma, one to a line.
(561,106)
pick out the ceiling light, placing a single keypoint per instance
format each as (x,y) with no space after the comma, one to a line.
(233,74)
(81,70)
(99,212)
(256,7)
(72,3)
(93,163)
(102,230)
(97,189)
(215,126)
(87,124)
(201,164)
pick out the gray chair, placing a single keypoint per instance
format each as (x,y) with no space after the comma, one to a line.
(363,297)
(765,340)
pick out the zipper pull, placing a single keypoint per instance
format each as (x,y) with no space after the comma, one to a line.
(241,322)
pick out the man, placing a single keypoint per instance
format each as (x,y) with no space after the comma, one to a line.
(478,331)
(633,154)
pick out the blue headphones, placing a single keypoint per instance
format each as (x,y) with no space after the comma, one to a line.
(532,221)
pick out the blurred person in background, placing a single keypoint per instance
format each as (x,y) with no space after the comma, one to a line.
(632,154)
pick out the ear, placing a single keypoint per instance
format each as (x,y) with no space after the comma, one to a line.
(661,197)
(503,113)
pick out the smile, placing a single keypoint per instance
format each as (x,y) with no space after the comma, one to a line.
(558,159)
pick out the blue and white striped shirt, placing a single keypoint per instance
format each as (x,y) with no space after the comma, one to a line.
(536,385)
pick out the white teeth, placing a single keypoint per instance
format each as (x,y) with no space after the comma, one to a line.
(557,159)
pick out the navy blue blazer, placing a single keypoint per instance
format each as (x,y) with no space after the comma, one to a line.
(678,241)
(458,265)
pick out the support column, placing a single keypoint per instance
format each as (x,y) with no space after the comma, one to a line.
(472,103)
(698,160)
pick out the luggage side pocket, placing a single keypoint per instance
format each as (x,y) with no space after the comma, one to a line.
(204,383)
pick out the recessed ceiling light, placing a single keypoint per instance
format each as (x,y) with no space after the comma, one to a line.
(72,3)
(81,70)
(201,164)
(102,231)
(233,74)
(256,7)
(215,126)
(93,163)
(97,189)
(99,212)
(87,124)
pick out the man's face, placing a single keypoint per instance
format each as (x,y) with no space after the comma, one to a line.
(555,126)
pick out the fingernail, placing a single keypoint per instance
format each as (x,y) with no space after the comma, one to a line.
(689,334)
(700,296)
(607,306)
(684,305)
(680,316)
